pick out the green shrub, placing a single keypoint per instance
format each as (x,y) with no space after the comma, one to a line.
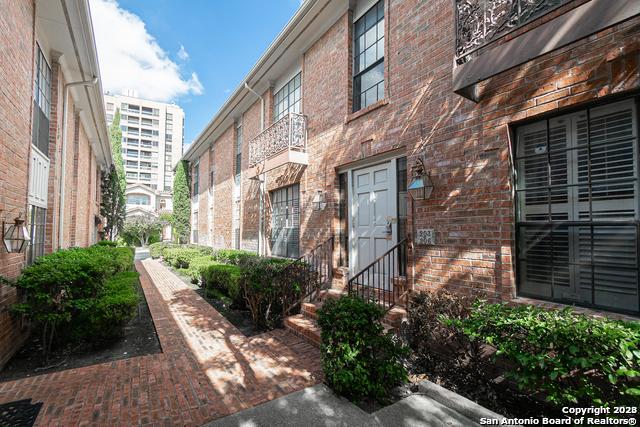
(180,257)
(197,266)
(155,249)
(358,359)
(108,314)
(572,358)
(116,259)
(59,285)
(223,279)
(107,243)
(233,256)
(264,296)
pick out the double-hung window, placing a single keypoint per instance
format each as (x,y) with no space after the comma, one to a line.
(196,179)
(368,57)
(42,104)
(578,208)
(287,99)
(238,163)
(37,222)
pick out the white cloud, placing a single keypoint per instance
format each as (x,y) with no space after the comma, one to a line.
(182,53)
(131,58)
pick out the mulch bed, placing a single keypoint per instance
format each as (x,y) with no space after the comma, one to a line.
(241,319)
(139,339)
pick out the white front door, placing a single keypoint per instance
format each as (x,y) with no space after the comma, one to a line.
(373,214)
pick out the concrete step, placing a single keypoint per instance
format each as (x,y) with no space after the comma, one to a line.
(304,327)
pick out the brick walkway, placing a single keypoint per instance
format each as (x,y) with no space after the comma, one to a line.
(207,369)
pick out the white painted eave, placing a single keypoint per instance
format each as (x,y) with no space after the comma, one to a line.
(66,27)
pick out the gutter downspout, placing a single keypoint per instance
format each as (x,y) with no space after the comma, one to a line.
(65,107)
(262,179)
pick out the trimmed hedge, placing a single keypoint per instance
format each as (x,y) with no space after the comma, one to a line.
(197,266)
(358,359)
(571,358)
(233,256)
(266,296)
(107,315)
(180,257)
(57,288)
(107,243)
(223,279)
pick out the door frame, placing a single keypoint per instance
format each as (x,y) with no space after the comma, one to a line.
(351,206)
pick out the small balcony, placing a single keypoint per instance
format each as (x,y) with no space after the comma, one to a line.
(283,142)
(493,36)
(479,22)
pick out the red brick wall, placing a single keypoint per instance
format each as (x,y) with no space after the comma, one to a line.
(224,152)
(16,98)
(465,145)
(16,76)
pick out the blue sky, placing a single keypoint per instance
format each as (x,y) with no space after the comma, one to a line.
(192,52)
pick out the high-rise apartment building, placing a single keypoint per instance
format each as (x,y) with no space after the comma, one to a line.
(152,138)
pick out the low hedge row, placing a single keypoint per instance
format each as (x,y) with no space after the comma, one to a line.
(223,280)
(569,359)
(110,311)
(59,287)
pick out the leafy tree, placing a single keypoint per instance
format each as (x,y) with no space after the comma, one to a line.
(181,203)
(113,186)
(141,228)
(115,135)
(112,205)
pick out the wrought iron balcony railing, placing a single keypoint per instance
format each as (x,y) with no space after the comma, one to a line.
(478,22)
(287,134)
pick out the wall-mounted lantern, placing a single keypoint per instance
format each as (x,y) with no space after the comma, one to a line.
(319,201)
(421,186)
(15,237)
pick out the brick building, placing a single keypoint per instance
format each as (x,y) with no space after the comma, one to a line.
(522,115)
(52,149)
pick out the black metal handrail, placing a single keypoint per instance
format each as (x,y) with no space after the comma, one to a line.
(311,273)
(378,281)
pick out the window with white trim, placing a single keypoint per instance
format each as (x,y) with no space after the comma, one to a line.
(37,224)
(578,208)
(42,104)
(287,99)
(368,57)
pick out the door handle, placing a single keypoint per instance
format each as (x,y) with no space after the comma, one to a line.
(388,227)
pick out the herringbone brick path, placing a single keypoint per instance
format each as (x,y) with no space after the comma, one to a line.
(207,368)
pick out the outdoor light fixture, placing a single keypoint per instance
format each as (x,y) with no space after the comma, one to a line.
(319,201)
(421,186)
(15,237)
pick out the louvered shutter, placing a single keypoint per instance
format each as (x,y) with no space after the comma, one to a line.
(608,274)
(542,178)
(580,167)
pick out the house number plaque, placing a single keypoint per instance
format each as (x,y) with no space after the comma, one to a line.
(425,236)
